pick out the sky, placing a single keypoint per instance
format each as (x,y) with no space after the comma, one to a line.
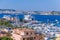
(31,5)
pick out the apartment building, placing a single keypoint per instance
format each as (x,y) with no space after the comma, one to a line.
(25,34)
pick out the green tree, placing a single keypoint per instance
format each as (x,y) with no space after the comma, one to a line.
(6,23)
(6,38)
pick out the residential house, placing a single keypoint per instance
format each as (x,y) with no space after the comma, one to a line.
(24,34)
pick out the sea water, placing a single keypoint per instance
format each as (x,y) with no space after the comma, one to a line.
(43,18)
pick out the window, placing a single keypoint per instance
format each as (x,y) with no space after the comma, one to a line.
(31,38)
(28,39)
(23,38)
(27,33)
(34,37)
(31,33)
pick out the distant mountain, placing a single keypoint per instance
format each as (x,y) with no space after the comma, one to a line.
(11,11)
(7,10)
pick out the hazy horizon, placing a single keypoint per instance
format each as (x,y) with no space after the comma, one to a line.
(31,5)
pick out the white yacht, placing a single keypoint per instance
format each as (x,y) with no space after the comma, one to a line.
(8,17)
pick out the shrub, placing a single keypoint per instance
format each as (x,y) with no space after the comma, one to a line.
(6,38)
